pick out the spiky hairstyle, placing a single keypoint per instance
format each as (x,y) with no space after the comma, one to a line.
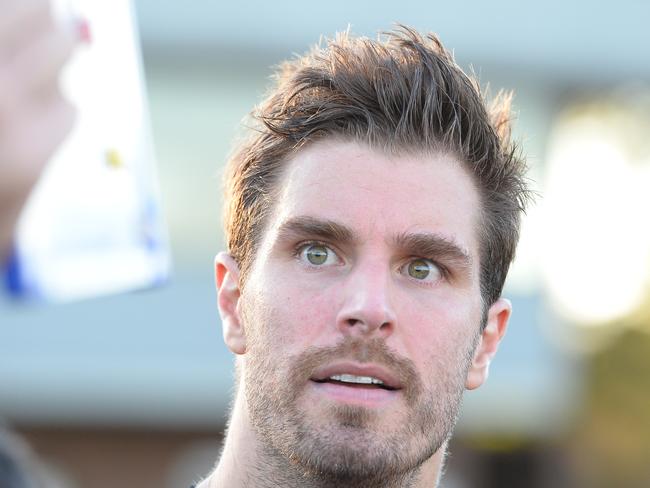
(401,93)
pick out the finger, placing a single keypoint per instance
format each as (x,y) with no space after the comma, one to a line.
(52,128)
(20,21)
(15,10)
(23,157)
(33,138)
(38,66)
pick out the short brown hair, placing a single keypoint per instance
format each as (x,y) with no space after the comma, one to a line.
(400,93)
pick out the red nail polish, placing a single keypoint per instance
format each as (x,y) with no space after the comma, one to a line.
(83,31)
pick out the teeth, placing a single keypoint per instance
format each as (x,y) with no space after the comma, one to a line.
(362,380)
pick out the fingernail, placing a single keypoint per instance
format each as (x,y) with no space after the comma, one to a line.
(84,34)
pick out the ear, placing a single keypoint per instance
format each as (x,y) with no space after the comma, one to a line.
(495,329)
(227,279)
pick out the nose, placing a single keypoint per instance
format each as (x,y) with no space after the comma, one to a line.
(366,308)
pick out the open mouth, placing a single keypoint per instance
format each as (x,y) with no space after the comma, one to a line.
(354,381)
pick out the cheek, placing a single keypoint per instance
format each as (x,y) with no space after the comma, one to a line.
(296,315)
(440,329)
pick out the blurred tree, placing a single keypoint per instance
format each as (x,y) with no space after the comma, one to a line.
(611,446)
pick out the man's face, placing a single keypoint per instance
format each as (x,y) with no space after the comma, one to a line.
(368,273)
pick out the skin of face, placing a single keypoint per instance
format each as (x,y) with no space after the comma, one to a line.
(369,266)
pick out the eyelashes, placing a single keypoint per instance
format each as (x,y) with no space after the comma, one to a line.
(317,254)
(422,269)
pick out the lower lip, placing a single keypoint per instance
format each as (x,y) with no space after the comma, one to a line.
(354,395)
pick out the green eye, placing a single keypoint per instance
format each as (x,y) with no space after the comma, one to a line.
(421,269)
(316,254)
(424,270)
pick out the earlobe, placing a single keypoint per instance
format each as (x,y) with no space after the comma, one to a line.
(228,293)
(495,329)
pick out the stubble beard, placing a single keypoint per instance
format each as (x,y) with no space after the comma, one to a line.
(350,448)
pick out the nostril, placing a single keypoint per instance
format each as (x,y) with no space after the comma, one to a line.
(360,323)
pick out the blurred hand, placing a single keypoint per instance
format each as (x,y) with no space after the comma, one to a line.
(34,117)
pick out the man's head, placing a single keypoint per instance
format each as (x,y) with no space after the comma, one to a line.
(404,94)
(370,222)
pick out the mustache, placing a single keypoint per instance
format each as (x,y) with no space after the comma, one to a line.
(362,351)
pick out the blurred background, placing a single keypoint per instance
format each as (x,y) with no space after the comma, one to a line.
(133,390)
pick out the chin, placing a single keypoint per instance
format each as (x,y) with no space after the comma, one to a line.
(354,447)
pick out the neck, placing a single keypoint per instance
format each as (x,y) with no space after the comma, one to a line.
(246,462)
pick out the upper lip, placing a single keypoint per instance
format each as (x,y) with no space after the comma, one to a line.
(375,371)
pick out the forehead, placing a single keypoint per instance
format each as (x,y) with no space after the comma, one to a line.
(377,194)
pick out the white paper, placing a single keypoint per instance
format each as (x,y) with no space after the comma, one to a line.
(93,224)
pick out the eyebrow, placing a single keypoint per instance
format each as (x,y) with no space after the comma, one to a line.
(424,244)
(316,228)
(434,246)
